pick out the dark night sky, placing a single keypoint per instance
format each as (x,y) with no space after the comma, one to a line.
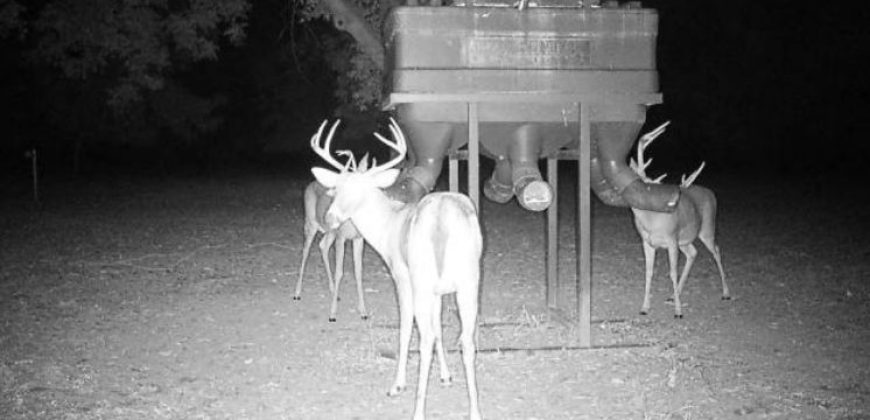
(780,79)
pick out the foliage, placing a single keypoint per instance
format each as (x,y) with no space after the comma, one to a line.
(88,71)
(10,18)
(137,43)
(359,80)
(131,70)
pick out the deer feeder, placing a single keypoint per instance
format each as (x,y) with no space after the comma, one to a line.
(538,51)
(524,83)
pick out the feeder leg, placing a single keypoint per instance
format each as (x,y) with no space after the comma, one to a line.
(584,234)
(474,184)
(473,155)
(553,235)
(453,172)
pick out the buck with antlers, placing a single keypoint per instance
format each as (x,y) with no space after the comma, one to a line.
(694,218)
(317,201)
(432,247)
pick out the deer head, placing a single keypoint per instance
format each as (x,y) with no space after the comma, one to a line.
(354,183)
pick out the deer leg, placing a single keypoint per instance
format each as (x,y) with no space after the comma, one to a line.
(714,249)
(425,306)
(406,320)
(339,273)
(649,256)
(306,248)
(690,252)
(326,243)
(673,259)
(358,246)
(466,300)
(446,379)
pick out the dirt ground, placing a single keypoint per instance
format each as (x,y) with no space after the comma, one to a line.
(170,298)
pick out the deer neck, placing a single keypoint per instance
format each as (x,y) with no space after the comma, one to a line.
(380,221)
(640,216)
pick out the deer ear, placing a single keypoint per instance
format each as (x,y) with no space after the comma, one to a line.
(328,178)
(386,178)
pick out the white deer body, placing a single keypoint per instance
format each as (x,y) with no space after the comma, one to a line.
(694,218)
(316,203)
(432,247)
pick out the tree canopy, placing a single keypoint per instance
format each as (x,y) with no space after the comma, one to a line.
(136,43)
(137,68)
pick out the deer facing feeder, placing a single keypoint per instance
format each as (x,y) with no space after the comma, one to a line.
(694,218)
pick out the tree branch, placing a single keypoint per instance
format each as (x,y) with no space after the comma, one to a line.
(346,16)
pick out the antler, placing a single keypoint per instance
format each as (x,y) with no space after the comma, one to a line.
(323,151)
(351,164)
(639,166)
(686,182)
(399,145)
(363,163)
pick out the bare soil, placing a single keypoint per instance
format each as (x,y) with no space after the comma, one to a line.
(137,298)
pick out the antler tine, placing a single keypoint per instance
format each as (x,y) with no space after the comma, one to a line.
(686,182)
(351,163)
(640,165)
(364,163)
(659,179)
(649,137)
(399,145)
(323,151)
(316,137)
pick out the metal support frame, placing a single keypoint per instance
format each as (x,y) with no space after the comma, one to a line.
(584,242)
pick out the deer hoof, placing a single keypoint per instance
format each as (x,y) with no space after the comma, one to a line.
(670,300)
(447,381)
(395,390)
(644,312)
(726,297)
(332,319)
(678,316)
(364,317)
(297,297)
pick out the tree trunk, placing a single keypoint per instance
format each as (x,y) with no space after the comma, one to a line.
(349,18)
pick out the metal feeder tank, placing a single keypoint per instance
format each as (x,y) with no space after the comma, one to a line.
(540,51)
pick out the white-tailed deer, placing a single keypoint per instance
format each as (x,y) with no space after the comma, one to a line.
(432,247)
(694,218)
(316,202)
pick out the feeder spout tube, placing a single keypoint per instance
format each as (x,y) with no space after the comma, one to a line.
(499,187)
(428,143)
(613,181)
(518,173)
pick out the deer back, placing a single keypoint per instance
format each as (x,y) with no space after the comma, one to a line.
(704,201)
(703,198)
(443,238)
